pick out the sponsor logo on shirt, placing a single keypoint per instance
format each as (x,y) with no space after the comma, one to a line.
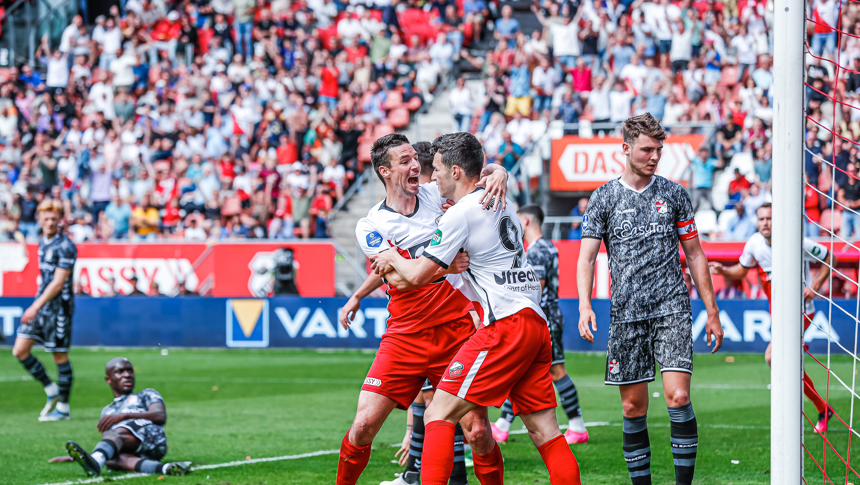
(456,369)
(437,238)
(371,381)
(628,231)
(373,239)
(626,211)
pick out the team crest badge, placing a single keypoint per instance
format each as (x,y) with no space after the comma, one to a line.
(585,222)
(614,367)
(661,206)
(456,369)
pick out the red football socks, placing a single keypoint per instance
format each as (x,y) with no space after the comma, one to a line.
(809,391)
(489,468)
(559,460)
(437,460)
(352,461)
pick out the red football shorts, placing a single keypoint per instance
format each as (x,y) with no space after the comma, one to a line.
(404,361)
(507,358)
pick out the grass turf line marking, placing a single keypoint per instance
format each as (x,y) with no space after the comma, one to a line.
(205,467)
(595,424)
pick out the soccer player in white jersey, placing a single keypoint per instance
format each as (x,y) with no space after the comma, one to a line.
(758,253)
(510,355)
(641,217)
(428,324)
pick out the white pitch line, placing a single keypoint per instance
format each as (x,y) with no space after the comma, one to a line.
(594,424)
(205,467)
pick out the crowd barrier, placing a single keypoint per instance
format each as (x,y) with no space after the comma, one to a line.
(313,323)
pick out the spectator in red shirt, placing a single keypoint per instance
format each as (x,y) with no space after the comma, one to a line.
(328,84)
(170,216)
(738,187)
(581,76)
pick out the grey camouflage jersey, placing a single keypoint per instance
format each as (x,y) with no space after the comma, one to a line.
(641,231)
(543,256)
(153,440)
(59,252)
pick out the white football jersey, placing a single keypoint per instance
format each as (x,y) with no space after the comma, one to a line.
(446,299)
(498,272)
(757,252)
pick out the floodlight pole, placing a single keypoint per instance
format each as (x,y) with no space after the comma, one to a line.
(786,426)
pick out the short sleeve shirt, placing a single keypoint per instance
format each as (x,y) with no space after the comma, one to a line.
(641,231)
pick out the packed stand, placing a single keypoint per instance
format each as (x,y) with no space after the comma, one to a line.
(216,120)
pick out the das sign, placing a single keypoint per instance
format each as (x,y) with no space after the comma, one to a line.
(584,164)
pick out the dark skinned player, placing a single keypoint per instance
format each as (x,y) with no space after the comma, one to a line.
(132,429)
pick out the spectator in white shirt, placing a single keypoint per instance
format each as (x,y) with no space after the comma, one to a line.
(620,102)
(70,33)
(194,232)
(744,43)
(682,47)
(58,65)
(460,102)
(545,78)
(520,129)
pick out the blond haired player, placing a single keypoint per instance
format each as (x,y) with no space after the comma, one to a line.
(48,320)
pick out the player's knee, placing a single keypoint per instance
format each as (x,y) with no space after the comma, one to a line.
(480,437)
(632,408)
(678,397)
(20,353)
(363,431)
(60,357)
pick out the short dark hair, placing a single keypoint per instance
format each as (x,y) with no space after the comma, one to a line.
(644,124)
(379,156)
(463,150)
(533,211)
(425,156)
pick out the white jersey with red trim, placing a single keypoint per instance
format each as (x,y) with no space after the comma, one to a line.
(758,253)
(435,304)
(498,272)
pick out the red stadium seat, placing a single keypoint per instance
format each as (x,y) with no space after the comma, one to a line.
(729,76)
(393,100)
(414,104)
(364,151)
(399,117)
(232,205)
(381,130)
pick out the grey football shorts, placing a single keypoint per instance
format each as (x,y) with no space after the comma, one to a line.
(634,348)
(555,321)
(53,331)
(153,441)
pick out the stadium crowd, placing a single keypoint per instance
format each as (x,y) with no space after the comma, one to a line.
(249,119)
(212,120)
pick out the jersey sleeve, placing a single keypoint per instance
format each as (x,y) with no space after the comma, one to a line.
(370,238)
(449,237)
(432,191)
(538,260)
(813,252)
(747,259)
(685,219)
(594,221)
(67,255)
(150,397)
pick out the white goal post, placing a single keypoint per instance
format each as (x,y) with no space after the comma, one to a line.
(786,418)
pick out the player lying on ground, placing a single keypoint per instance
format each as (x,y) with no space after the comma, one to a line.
(510,354)
(641,217)
(49,319)
(758,252)
(428,323)
(542,255)
(132,429)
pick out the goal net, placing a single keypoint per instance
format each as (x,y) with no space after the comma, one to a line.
(811,68)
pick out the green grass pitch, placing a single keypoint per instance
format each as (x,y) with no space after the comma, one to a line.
(226,406)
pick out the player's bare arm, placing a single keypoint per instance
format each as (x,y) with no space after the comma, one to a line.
(830,262)
(417,272)
(52,290)
(735,272)
(155,413)
(584,283)
(698,264)
(494,178)
(370,284)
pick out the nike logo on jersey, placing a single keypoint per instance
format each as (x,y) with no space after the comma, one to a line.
(398,243)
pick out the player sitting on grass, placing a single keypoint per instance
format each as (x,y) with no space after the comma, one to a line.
(132,429)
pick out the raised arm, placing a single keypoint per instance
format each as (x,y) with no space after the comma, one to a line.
(698,264)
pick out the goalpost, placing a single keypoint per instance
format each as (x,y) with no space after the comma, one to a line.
(786,432)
